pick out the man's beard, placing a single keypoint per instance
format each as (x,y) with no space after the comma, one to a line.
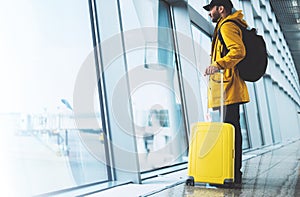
(216,17)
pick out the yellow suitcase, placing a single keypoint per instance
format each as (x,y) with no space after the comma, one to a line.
(211,153)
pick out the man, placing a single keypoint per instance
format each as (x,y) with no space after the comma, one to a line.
(235,89)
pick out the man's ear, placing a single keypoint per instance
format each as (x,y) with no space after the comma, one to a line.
(221,9)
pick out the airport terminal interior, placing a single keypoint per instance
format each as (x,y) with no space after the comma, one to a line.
(99,98)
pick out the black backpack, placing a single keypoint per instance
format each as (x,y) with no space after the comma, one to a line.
(254,65)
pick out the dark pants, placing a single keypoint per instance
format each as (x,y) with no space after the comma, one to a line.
(232,116)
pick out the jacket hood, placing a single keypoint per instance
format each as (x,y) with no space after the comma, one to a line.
(237,15)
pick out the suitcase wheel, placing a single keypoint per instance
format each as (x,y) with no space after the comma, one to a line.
(228,181)
(190,181)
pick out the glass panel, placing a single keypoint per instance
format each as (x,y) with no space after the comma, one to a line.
(202,45)
(155,97)
(114,72)
(272,100)
(245,140)
(46,52)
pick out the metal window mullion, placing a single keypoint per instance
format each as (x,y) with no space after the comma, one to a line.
(101,90)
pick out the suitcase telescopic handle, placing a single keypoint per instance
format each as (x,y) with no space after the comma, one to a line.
(222,95)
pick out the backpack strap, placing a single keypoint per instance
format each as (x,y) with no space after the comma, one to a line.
(225,51)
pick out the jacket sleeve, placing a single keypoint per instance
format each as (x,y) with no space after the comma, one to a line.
(232,36)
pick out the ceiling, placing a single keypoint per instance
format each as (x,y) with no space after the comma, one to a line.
(288,15)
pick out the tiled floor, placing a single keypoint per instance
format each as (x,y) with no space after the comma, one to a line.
(274,173)
(270,172)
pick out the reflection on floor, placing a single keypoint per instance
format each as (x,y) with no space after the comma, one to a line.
(272,171)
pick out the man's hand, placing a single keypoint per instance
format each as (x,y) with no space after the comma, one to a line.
(211,70)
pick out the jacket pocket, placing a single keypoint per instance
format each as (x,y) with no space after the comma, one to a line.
(227,76)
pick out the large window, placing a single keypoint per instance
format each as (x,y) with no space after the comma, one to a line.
(153,81)
(45,49)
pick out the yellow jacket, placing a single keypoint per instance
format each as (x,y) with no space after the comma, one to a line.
(235,89)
